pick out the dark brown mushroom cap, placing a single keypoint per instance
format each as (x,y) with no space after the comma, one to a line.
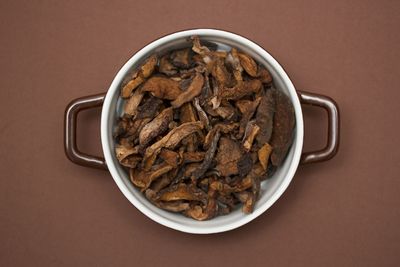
(265,116)
(282,135)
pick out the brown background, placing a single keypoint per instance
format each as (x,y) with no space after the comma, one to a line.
(344,212)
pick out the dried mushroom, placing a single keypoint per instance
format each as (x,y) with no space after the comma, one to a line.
(190,93)
(133,103)
(140,76)
(162,87)
(156,127)
(201,129)
(265,116)
(282,134)
(229,153)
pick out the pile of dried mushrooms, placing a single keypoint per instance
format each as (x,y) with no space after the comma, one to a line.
(201,129)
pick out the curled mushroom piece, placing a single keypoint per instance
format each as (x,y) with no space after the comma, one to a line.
(193,91)
(143,179)
(170,140)
(140,76)
(202,115)
(162,87)
(264,75)
(133,103)
(200,213)
(201,129)
(183,191)
(263,155)
(247,108)
(156,127)
(122,151)
(221,127)
(248,64)
(248,199)
(251,131)
(221,74)
(208,157)
(166,66)
(174,206)
(233,62)
(243,89)
(181,58)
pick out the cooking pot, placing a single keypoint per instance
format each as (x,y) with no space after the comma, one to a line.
(271,189)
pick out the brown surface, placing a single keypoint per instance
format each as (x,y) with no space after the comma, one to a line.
(340,213)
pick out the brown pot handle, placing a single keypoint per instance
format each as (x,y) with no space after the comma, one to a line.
(71,149)
(331,148)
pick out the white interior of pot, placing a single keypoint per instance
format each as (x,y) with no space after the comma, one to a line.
(271,189)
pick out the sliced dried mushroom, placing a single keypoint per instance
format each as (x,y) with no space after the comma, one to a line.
(133,103)
(199,213)
(179,192)
(149,108)
(174,206)
(201,113)
(264,75)
(221,74)
(189,157)
(244,164)
(166,66)
(187,113)
(201,129)
(282,135)
(250,133)
(225,111)
(162,87)
(248,199)
(247,108)
(181,58)
(263,155)
(243,89)
(156,127)
(208,157)
(248,64)
(170,140)
(149,65)
(221,127)
(137,80)
(139,76)
(123,151)
(170,157)
(229,153)
(164,181)
(131,161)
(193,91)
(233,61)
(143,179)
(265,116)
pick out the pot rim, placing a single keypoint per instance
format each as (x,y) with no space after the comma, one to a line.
(107,145)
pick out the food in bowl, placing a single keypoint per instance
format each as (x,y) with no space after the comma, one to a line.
(201,129)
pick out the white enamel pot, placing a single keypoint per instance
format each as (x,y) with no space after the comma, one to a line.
(271,189)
